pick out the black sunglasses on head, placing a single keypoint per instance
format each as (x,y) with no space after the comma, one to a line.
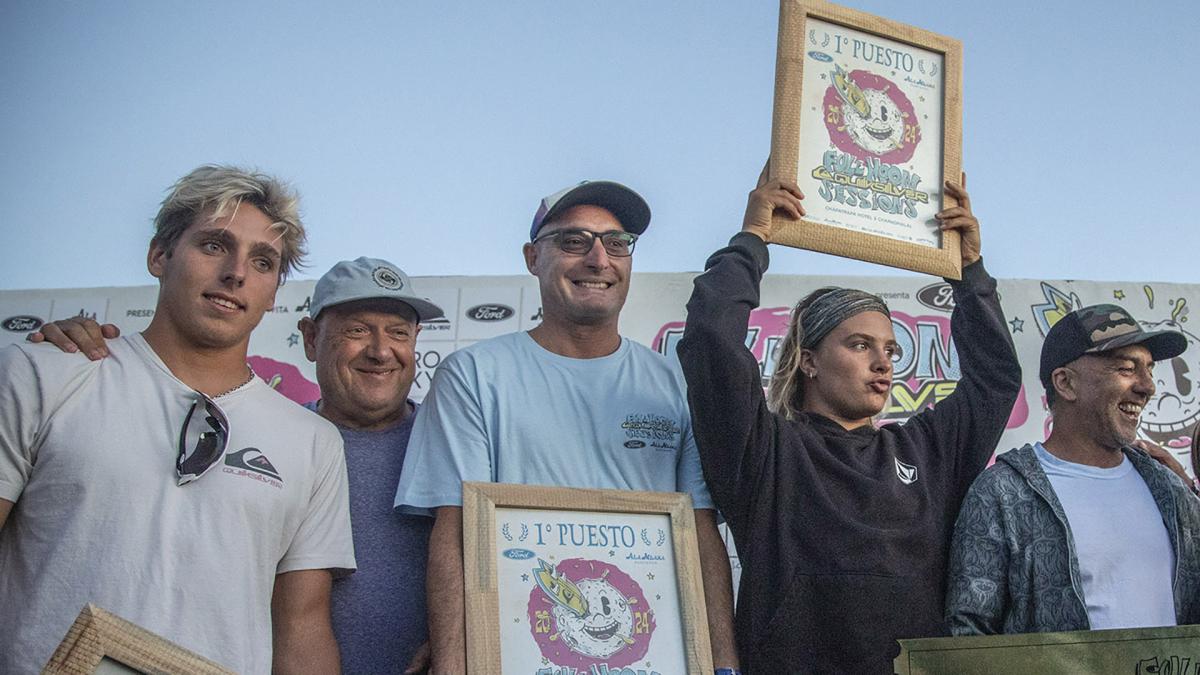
(202,440)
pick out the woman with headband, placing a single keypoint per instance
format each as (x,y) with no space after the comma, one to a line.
(842,529)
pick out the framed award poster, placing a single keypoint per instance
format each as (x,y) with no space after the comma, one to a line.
(563,580)
(868,122)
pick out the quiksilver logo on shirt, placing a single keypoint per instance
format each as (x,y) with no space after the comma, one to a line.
(907,473)
(252,463)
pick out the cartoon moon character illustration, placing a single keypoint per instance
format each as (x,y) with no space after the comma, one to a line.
(592,604)
(1175,408)
(870,117)
(592,616)
(605,629)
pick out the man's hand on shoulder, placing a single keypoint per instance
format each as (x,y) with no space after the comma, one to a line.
(77,334)
(1164,457)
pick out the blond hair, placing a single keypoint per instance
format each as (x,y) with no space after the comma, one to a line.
(215,191)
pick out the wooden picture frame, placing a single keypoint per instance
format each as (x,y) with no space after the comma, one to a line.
(563,577)
(103,643)
(868,122)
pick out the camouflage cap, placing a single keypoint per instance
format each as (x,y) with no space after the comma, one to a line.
(1101,328)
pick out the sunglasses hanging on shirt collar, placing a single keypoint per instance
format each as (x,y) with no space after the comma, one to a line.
(202,440)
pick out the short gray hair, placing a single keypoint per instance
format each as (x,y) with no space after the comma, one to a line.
(216,191)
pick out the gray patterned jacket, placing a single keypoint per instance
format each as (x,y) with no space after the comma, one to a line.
(1012,561)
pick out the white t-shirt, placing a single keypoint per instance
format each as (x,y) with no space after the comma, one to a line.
(1124,551)
(87,453)
(507,410)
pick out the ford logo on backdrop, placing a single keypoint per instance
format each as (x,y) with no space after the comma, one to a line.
(821,56)
(937,296)
(490,312)
(518,554)
(21,324)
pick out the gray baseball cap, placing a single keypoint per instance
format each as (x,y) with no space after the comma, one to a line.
(627,206)
(369,278)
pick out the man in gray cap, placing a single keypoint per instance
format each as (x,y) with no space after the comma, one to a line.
(364,318)
(1087,530)
(362,332)
(569,403)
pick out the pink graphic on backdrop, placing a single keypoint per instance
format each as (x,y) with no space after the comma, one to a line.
(589,613)
(285,378)
(926,370)
(888,130)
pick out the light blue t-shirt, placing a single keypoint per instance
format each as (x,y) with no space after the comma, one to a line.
(506,410)
(1124,551)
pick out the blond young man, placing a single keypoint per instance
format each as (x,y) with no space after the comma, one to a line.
(166,483)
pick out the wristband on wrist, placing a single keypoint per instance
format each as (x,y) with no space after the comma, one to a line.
(727,671)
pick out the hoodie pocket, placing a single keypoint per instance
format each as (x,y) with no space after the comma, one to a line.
(849,622)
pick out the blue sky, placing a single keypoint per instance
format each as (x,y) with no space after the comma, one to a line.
(426,133)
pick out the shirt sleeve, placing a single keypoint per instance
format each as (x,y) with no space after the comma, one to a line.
(689,476)
(324,540)
(20,419)
(449,442)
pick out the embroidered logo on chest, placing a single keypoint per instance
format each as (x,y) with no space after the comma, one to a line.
(907,473)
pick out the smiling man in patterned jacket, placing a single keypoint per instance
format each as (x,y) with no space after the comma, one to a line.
(1086,531)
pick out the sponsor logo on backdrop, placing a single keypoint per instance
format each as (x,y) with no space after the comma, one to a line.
(427,361)
(140,313)
(937,296)
(438,325)
(490,312)
(21,324)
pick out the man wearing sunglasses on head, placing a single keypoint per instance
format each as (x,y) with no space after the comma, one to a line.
(166,483)
(569,403)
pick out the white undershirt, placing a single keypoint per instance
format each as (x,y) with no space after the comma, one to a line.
(1124,552)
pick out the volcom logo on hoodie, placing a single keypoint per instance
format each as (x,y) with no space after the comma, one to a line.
(907,473)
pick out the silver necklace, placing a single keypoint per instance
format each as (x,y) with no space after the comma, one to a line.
(248,380)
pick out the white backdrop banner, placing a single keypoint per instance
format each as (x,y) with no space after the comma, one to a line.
(926,370)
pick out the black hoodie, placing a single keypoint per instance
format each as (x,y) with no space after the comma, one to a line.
(843,535)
